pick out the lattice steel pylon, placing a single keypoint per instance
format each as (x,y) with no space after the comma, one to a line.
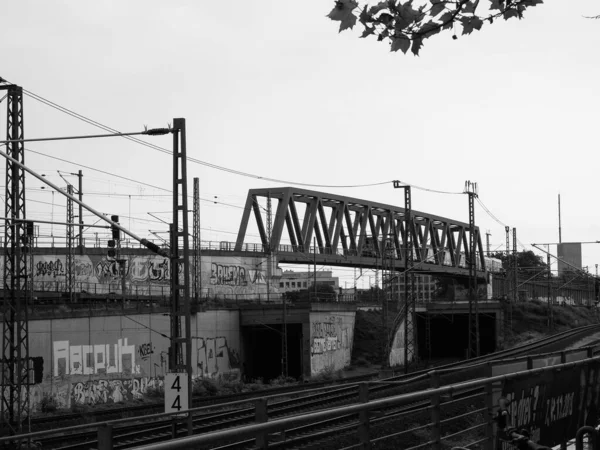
(196,242)
(388,278)
(69,276)
(474,347)
(409,307)
(181,340)
(15,340)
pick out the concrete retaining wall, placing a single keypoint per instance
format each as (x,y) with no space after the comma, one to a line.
(331,337)
(396,357)
(108,359)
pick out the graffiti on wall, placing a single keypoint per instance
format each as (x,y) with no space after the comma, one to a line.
(328,336)
(216,360)
(145,350)
(235,275)
(116,358)
(147,275)
(137,269)
(102,391)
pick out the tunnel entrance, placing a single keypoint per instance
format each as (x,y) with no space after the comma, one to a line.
(262,351)
(450,335)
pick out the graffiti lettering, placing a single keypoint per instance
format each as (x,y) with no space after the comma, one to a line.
(228,275)
(327,344)
(94,359)
(158,271)
(523,412)
(112,391)
(216,360)
(559,407)
(50,268)
(328,336)
(145,350)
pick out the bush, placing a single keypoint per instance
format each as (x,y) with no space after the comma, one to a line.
(205,387)
(232,387)
(155,391)
(255,385)
(48,403)
(281,381)
(328,374)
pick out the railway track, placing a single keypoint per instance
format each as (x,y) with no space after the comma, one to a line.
(128,436)
(63,420)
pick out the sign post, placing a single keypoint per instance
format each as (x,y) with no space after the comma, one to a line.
(176,393)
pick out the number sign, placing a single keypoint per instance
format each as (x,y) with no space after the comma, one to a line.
(176,392)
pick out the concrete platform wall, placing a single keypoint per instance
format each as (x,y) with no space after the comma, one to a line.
(108,359)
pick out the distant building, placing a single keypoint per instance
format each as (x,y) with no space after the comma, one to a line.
(425,287)
(569,257)
(291,281)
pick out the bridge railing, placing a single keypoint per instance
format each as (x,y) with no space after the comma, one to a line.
(226,246)
(441,416)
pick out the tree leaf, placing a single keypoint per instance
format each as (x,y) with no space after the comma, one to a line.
(400,43)
(378,7)
(469,8)
(429,29)
(510,13)
(385,19)
(385,33)
(408,13)
(531,2)
(471,23)
(365,17)
(447,20)
(437,8)
(368,31)
(342,11)
(417,43)
(495,4)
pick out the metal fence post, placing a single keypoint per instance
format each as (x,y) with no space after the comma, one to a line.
(592,432)
(363,417)
(435,411)
(261,416)
(105,437)
(489,403)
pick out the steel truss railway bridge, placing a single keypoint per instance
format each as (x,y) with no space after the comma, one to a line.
(337,230)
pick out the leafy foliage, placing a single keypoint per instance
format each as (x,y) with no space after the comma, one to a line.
(405,27)
(527,262)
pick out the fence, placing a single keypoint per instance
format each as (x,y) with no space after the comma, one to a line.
(577,290)
(443,416)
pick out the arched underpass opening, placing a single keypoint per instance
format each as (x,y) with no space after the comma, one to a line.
(450,335)
(262,351)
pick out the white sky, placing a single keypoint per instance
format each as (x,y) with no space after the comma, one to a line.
(271,88)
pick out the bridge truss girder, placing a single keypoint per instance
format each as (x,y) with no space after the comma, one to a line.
(355,230)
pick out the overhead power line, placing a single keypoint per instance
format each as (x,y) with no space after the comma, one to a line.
(96,124)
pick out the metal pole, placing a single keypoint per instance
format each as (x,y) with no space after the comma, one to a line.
(550,324)
(515,266)
(80,195)
(315,266)
(559,224)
